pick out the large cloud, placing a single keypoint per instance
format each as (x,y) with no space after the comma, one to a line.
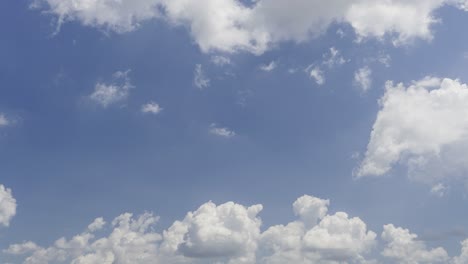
(226,233)
(230,233)
(229,25)
(7,206)
(317,237)
(425,127)
(403,247)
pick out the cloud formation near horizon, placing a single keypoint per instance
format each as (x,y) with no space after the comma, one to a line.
(231,233)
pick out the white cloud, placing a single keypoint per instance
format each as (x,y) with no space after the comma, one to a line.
(423,126)
(403,247)
(317,74)
(4,121)
(463,258)
(230,25)
(107,94)
(439,189)
(119,16)
(221,131)
(130,241)
(362,78)
(333,58)
(220,60)
(7,206)
(317,237)
(152,108)
(228,231)
(268,67)
(199,78)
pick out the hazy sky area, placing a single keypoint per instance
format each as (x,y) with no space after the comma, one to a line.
(236,132)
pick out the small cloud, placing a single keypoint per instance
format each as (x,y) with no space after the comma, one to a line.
(199,79)
(317,74)
(107,94)
(151,108)
(340,33)
(385,59)
(221,131)
(4,121)
(333,58)
(268,67)
(220,60)
(362,78)
(439,190)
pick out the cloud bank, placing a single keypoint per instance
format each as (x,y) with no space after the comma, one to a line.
(231,233)
(230,25)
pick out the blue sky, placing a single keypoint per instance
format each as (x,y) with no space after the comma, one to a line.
(169,107)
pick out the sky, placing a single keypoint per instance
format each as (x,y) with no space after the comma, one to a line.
(229,131)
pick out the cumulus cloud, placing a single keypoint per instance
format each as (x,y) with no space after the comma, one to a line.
(403,247)
(231,233)
(151,108)
(423,126)
(7,206)
(130,241)
(199,78)
(221,131)
(226,233)
(362,78)
(463,258)
(231,25)
(317,74)
(106,94)
(317,237)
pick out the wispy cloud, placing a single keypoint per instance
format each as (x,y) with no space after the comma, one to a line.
(106,94)
(268,67)
(221,131)
(199,79)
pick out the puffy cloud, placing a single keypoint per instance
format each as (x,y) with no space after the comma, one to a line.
(221,131)
(152,108)
(463,258)
(199,78)
(362,78)
(317,237)
(423,126)
(403,247)
(229,231)
(404,20)
(231,25)
(7,206)
(317,74)
(268,67)
(131,241)
(107,94)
